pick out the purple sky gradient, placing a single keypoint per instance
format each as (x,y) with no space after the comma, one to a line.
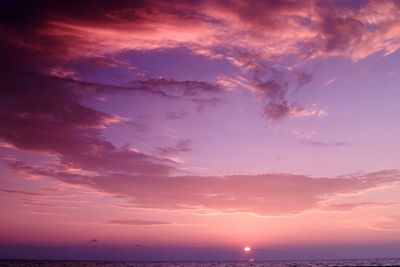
(159,123)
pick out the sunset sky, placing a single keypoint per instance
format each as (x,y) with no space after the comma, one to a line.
(191,129)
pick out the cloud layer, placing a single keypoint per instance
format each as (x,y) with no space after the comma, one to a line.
(269,194)
(251,35)
(43,98)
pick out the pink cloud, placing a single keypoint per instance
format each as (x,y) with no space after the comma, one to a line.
(271,29)
(268,194)
(137,222)
(349,206)
(20,192)
(245,33)
(391,223)
(44,111)
(309,111)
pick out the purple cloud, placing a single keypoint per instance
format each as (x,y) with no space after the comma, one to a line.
(183,145)
(20,192)
(268,194)
(174,115)
(45,113)
(322,144)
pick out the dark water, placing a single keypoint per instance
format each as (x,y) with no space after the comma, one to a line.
(369,262)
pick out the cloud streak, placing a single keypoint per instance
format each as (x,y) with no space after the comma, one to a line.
(137,222)
(20,192)
(268,194)
(183,145)
(323,144)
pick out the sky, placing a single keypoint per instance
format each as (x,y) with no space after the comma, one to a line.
(188,130)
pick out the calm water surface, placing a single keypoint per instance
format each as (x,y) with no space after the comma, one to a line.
(369,262)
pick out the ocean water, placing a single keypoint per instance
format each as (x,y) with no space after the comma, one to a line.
(313,263)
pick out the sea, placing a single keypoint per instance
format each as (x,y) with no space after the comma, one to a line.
(309,263)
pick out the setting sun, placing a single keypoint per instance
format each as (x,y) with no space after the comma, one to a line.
(226,130)
(247,249)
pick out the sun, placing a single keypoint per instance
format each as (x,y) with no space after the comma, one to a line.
(247,249)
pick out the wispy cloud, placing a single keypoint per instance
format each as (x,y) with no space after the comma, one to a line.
(183,145)
(322,144)
(137,222)
(20,192)
(174,115)
(350,206)
(330,81)
(308,138)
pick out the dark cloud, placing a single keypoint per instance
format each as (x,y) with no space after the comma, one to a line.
(174,115)
(341,33)
(20,192)
(276,111)
(301,78)
(35,203)
(275,91)
(47,34)
(176,89)
(44,112)
(322,144)
(183,145)
(195,91)
(29,13)
(204,103)
(40,113)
